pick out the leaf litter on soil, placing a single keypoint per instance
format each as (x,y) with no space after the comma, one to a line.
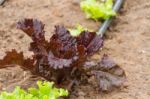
(64,59)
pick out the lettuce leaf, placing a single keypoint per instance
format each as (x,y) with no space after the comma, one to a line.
(76,32)
(97,10)
(45,90)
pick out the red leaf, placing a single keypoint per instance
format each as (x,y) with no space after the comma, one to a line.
(85,38)
(62,44)
(13,57)
(109,75)
(58,63)
(95,45)
(33,28)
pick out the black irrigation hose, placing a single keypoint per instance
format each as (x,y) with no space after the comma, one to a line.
(106,23)
(2,2)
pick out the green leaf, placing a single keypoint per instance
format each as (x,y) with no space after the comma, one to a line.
(45,90)
(98,10)
(33,91)
(77,31)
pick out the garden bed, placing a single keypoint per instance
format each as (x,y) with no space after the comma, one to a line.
(126,42)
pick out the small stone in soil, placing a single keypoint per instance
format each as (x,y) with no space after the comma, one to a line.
(81,93)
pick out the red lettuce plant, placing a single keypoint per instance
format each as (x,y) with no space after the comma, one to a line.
(64,58)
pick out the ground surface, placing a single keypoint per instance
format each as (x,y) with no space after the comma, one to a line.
(127,42)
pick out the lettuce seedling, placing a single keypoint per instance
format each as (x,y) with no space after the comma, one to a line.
(98,10)
(45,90)
(77,31)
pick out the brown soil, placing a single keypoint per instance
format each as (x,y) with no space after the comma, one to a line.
(127,42)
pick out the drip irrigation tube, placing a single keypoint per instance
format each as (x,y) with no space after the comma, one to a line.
(107,22)
(2,2)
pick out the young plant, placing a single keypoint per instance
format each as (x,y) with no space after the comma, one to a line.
(98,10)
(45,90)
(64,58)
(76,32)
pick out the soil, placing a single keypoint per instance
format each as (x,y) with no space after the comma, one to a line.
(127,42)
